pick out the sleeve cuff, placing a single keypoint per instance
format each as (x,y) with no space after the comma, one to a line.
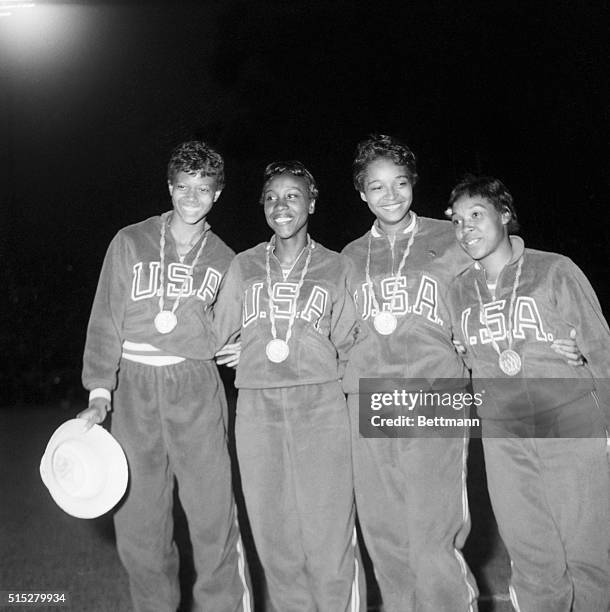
(99,392)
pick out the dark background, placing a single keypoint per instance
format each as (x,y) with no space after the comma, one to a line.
(95,95)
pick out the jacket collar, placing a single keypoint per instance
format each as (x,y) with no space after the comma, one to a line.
(377,232)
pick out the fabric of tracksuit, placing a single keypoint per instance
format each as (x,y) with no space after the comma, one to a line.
(170,420)
(411,493)
(550,495)
(292,429)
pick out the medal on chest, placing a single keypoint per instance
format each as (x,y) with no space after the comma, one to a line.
(509,362)
(166,320)
(508,359)
(385,321)
(277,350)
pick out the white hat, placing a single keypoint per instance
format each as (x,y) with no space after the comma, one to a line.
(85,471)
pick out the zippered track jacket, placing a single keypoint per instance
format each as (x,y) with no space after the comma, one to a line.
(127,299)
(421,345)
(324,328)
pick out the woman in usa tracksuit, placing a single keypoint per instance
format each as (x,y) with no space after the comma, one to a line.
(544,425)
(287,301)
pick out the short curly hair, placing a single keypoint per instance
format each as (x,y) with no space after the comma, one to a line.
(382,146)
(490,188)
(196,157)
(294,167)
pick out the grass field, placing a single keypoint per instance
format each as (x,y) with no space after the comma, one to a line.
(44,549)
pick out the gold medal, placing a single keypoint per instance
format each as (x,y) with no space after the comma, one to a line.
(385,323)
(165,321)
(510,362)
(277,350)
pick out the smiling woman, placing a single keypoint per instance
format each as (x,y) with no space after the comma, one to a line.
(289,197)
(384,175)
(151,322)
(546,434)
(287,301)
(482,224)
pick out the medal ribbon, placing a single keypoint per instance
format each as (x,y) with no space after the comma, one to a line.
(164,224)
(511,307)
(369,282)
(293,312)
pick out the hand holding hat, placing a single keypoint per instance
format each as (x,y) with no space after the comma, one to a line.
(84,468)
(96,412)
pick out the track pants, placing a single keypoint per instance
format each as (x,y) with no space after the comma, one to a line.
(551,500)
(413,511)
(170,421)
(293,448)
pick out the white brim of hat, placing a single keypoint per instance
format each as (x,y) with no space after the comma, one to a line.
(85,471)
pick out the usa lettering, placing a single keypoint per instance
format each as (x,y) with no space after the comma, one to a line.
(146,282)
(284,304)
(394,297)
(526,318)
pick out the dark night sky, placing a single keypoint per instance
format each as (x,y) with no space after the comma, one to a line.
(95,95)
